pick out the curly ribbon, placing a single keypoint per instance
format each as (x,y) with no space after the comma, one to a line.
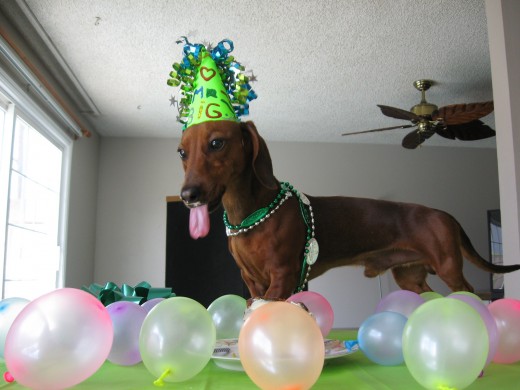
(140,293)
(160,381)
(236,83)
(350,344)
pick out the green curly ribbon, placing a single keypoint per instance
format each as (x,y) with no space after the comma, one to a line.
(140,293)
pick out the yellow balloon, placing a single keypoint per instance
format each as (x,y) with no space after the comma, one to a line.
(281,347)
(445,344)
(177,339)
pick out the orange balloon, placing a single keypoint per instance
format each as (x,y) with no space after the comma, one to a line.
(281,347)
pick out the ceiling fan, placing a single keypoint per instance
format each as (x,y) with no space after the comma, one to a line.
(456,121)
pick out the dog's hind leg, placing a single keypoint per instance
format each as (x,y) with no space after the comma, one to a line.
(412,277)
(453,276)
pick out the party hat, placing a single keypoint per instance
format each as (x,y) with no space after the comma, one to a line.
(211,83)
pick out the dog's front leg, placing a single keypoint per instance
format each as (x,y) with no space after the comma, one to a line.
(255,290)
(283,283)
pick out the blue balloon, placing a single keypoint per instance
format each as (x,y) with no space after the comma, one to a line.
(9,310)
(380,338)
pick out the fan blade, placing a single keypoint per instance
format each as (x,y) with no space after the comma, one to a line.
(397,113)
(457,114)
(471,131)
(381,129)
(443,131)
(415,138)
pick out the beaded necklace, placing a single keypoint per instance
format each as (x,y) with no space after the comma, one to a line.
(257,217)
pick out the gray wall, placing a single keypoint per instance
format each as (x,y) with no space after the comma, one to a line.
(136,175)
(81,237)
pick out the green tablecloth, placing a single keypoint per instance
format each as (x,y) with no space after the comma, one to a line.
(354,372)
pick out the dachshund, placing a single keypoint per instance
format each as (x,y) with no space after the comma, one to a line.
(275,232)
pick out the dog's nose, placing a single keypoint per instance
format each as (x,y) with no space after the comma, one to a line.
(191,195)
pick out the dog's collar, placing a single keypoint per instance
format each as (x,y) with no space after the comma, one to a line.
(256,218)
(260,215)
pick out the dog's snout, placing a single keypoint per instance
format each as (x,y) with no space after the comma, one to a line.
(191,195)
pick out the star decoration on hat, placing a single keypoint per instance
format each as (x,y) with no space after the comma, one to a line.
(174,102)
(209,45)
(252,78)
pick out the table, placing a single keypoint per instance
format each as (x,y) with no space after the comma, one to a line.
(354,372)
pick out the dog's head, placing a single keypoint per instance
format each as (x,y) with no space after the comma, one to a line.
(218,155)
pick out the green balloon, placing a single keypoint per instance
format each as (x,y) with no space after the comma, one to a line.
(227,313)
(177,339)
(429,295)
(445,344)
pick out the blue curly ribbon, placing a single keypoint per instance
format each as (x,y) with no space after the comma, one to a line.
(236,83)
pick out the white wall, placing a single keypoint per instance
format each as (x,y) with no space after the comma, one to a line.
(504,48)
(136,175)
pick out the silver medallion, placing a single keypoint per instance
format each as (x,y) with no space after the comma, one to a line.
(314,251)
(304,199)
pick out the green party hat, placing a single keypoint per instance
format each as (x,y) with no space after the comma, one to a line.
(211,83)
(210,99)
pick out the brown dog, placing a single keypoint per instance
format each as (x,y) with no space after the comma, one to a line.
(229,162)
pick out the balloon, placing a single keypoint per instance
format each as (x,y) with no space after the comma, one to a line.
(400,301)
(319,307)
(227,313)
(488,319)
(468,294)
(149,305)
(380,338)
(58,340)
(9,310)
(281,347)
(445,344)
(127,318)
(177,339)
(429,295)
(507,316)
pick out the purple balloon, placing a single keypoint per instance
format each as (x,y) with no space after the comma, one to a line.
(149,305)
(127,318)
(401,301)
(488,319)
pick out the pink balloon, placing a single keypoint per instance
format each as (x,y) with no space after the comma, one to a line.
(58,340)
(400,301)
(127,318)
(488,319)
(507,317)
(319,307)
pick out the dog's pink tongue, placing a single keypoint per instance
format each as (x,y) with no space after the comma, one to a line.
(199,221)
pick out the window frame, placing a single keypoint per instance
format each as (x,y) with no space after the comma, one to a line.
(20,103)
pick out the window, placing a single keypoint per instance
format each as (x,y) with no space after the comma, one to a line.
(495,252)
(35,156)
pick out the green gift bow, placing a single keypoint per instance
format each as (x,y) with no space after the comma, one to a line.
(142,292)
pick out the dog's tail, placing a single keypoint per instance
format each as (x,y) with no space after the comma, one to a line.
(470,253)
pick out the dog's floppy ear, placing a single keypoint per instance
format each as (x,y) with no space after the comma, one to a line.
(261,159)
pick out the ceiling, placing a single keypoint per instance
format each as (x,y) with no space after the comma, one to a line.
(321,66)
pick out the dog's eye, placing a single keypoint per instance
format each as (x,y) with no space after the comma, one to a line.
(216,144)
(182,153)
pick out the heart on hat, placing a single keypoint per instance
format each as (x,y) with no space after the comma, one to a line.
(207,73)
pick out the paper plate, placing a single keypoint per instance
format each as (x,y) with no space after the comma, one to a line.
(225,353)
